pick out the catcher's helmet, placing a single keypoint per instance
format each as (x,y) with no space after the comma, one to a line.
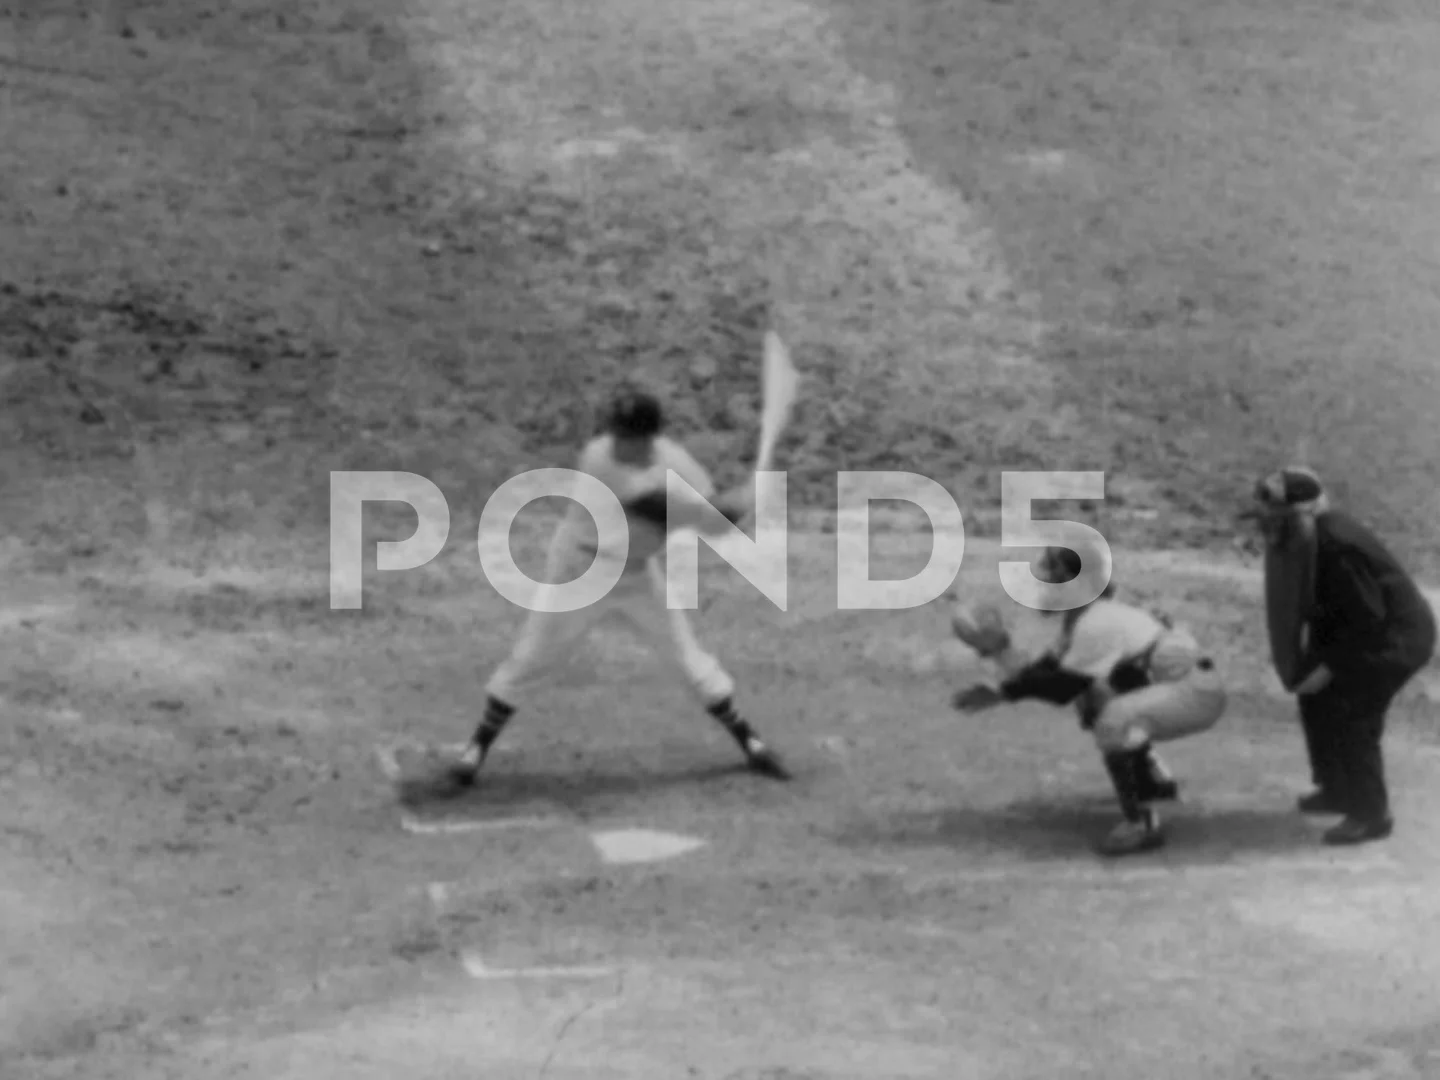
(1060,565)
(634,413)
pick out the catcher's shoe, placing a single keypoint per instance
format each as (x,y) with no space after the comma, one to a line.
(759,758)
(1133,837)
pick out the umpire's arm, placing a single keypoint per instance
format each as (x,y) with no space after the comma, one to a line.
(1375,640)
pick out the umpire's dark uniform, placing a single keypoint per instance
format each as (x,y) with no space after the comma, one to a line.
(1373,628)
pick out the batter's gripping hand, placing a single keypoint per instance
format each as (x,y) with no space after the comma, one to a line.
(981,627)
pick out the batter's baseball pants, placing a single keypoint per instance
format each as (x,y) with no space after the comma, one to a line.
(550,640)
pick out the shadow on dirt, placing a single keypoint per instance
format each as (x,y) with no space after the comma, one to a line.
(581,794)
(1058,828)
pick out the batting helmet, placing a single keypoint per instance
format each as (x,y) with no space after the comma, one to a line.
(634,413)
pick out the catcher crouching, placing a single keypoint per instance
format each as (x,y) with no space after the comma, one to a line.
(1134,679)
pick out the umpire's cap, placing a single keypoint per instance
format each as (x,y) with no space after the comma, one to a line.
(1292,486)
(634,413)
(1289,487)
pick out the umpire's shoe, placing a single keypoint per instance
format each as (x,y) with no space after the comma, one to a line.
(1133,837)
(759,758)
(1356,831)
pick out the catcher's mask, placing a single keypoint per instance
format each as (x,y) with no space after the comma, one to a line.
(1282,503)
(1057,565)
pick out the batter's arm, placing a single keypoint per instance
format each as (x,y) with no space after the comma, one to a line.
(681,510)
(690,504)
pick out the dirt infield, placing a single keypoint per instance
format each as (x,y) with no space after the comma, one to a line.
(252,243)
(208,875)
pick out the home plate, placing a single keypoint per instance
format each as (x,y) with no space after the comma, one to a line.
(476,968)
(625,846)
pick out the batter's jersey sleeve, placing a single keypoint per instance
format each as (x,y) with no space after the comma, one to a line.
(670,455)
(687,510)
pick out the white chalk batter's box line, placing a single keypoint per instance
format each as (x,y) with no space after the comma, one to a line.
(476,967)
(445,896)
(386,757)
(473,963)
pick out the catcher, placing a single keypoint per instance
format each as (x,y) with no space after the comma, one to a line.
(1134,679)
(631,456)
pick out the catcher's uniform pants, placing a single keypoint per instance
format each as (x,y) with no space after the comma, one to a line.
(1344,724)
(1162,711)
(549,640)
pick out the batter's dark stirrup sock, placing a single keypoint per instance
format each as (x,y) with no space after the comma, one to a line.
(497,715)
(731,721)
(1124,769)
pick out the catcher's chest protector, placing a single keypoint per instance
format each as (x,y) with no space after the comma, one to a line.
(1290,597)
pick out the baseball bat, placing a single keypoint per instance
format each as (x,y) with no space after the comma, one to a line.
(779,387)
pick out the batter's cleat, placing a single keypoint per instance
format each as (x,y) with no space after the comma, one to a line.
(465,768)
(1133,837)
(760,759)
(1355,831)
(462,774)
(439,781)
(448,783)
(1319,803)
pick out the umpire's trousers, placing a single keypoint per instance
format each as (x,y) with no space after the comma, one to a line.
(1344,724)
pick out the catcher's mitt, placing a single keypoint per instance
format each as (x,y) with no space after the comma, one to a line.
(981,627)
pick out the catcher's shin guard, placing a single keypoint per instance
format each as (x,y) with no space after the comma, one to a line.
(1125,769)
(1156,783)
(1140,831)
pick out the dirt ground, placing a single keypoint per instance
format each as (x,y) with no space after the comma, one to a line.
(206,875)
(247,246)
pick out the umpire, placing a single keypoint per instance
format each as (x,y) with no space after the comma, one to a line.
(1348,629)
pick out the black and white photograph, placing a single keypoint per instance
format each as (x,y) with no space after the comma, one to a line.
(719,540)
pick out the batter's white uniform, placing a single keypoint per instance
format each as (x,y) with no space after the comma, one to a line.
(549,639)
(1185,695)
